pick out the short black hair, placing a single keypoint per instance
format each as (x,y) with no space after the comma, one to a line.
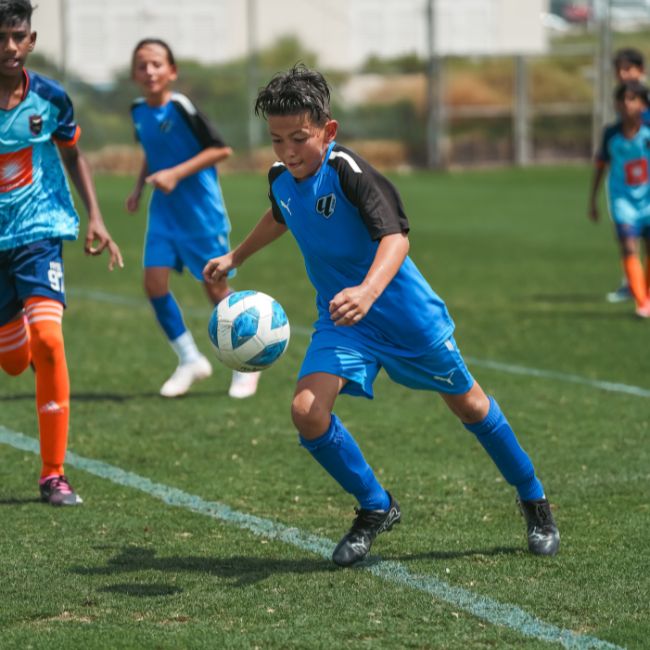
(13,12)
(296,91)
(152,41)
(635,87)
(629,55)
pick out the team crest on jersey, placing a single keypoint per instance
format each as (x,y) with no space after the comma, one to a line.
(166,126)
(326,205)
(35,124)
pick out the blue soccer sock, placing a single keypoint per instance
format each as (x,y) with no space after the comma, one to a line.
(340,456)
(169,315)
(499,440)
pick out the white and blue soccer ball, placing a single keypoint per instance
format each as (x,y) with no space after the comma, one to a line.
(249,331)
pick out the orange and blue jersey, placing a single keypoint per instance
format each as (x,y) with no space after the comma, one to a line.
(35,200)
(628,180)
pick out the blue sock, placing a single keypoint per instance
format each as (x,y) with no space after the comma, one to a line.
(499,440)
(169,315)
(340,456)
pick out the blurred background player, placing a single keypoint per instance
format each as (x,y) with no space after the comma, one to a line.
(629,65)
(625,154)
(188,223)
(37,214)
(375,309)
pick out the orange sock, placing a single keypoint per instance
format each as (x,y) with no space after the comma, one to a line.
(52,383)
(647,274)
(636,279)
(15,353)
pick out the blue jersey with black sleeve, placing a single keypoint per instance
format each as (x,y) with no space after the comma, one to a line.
(35,200)
(171,134)
(337,217)
(628,180)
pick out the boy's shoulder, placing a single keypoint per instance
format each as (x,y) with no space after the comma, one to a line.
(45,86)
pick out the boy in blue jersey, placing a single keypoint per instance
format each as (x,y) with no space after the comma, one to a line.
(375,310)
(188,223)
(625,152)
(37,134)
(629,65)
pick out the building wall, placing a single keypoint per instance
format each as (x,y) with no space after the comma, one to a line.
(343,33)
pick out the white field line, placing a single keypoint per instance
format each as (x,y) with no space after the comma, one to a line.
(483,607)
(612,387)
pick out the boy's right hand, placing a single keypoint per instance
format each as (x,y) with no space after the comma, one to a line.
(133,201)
(218,268)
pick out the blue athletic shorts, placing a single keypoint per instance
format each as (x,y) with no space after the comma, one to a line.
(32,270)
(441,369)
(163,250)
(637,230)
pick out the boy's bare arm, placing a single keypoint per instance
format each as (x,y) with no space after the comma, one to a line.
(81,176)
(599,173)
(353,303)
(133,200)
(266,231)
(167,179)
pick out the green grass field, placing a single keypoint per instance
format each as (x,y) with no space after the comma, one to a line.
(144,565)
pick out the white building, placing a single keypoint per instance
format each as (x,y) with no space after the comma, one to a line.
(94,38)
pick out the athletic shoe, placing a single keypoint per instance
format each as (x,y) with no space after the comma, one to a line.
(57,491)
(621,294)
(644,310)
(243,384)
(184,376)
(356,543)
(543,535)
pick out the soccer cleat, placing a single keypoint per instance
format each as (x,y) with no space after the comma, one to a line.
(543,534)
(621,294)
(184,376)
(243,384)
(57,491)
(356,543)
(644,310)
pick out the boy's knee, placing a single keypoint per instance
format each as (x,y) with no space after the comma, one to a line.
(16,363)
(309,418)
(47,344)
(471,407)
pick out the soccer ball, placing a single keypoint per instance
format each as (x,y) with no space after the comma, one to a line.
(249,331)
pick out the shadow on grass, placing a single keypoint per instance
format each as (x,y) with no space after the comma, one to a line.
(19,502)
(450,555)
(117,397)
(243,571)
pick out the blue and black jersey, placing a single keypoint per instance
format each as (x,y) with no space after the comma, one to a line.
(35,201)
(171,134)
(337,217)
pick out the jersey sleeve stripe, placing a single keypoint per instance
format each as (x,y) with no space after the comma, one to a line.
(72,142)
(348,158)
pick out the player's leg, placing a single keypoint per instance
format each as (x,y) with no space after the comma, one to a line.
(326,371)
(443,370)
(38,277)
(628,238)
(192,365)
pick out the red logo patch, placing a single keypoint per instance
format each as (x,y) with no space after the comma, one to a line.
(636,172)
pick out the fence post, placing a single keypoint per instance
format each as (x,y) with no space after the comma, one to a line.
(521,117)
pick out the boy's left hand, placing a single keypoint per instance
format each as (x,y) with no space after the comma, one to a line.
(97,233)
(349,306)
(165,180)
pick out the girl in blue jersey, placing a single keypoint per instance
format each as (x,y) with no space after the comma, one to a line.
(625,152)
(375,310)
(188,223)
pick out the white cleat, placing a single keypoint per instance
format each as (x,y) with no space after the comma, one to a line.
(184,376)
(243,384)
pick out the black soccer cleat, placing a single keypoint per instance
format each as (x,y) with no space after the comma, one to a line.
(543,534)
(57,491)
(356,543)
